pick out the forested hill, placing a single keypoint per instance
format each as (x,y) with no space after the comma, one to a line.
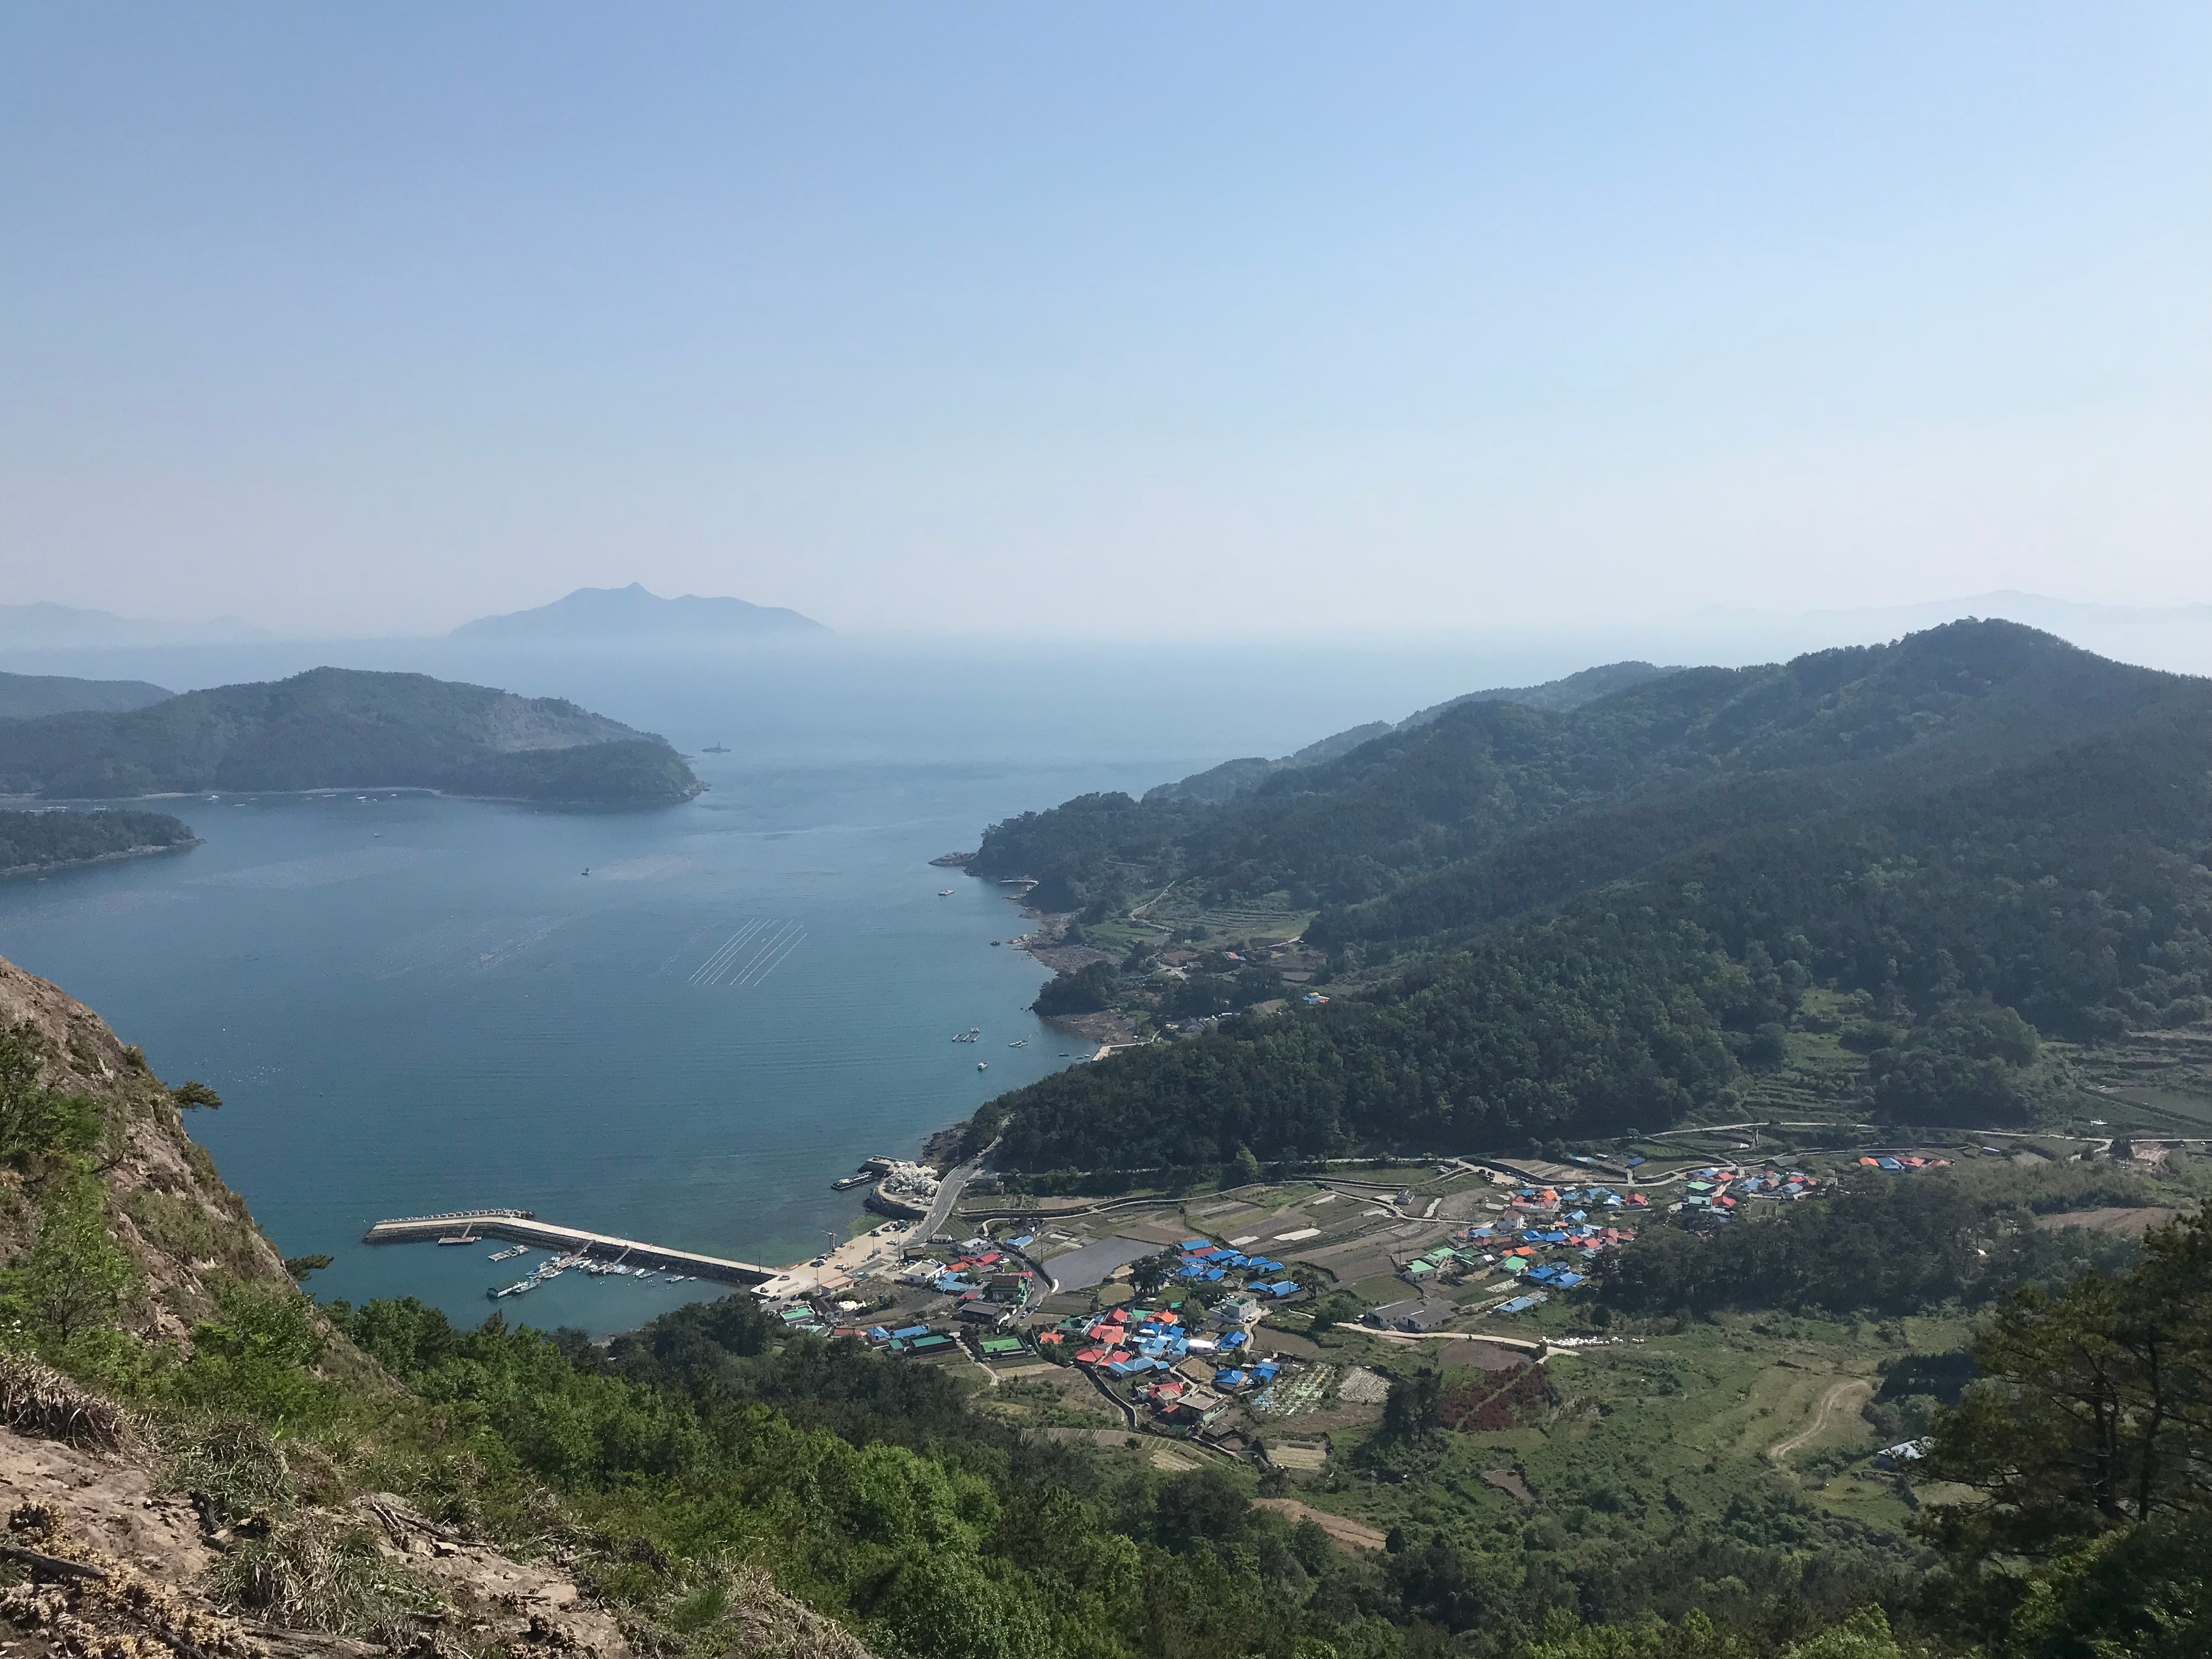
(29,696)
(342,728)
(48,838)
(1238,777)
(1592,919)
(1842,724)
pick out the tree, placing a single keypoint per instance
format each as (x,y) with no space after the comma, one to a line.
(195,1094)
(1410,1409)
(36,1121)
(2090,1431)
(74,1279)
(1244,1168)
(1149,1274)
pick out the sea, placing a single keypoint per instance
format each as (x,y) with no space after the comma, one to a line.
(677,1024)
(412,1003)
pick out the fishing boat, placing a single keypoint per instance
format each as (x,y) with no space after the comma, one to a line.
(848,1183)
(714,749)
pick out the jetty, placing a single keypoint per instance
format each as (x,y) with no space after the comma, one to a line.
(523,1227)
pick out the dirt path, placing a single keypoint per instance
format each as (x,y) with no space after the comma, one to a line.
(1346,1534)
(1847,1396)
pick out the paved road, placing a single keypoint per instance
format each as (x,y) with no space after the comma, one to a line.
(948,1193)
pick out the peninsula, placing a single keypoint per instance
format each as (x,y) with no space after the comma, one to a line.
(32,843)
(345,728)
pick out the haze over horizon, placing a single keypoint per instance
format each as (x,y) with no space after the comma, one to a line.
(1095,324)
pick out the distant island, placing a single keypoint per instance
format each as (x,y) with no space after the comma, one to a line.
(32,842)
(29,696)
(47,626)
(632,613)
(345,728)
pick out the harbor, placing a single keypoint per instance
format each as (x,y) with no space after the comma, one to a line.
(523,1227)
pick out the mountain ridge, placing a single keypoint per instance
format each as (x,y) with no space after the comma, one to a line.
(32,696)
(1542,924)
(1240,776)
(44,625)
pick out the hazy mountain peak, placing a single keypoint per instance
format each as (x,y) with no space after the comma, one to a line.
(44,626)
(634,613)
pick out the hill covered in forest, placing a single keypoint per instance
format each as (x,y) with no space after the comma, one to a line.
(1541,923)
(49,840)
(29,696)
(344,728)
(1233,778)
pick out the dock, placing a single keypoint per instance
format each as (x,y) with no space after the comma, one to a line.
(523,1227)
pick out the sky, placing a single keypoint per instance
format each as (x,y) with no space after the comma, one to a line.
(1134,321)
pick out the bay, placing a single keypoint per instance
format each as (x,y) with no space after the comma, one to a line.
(413,1004)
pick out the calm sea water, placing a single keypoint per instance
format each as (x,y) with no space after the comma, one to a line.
(412,1003)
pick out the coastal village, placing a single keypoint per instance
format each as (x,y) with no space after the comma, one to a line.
(1267,1323)
(1263,1322)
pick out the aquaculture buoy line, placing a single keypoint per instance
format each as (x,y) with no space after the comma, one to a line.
(750,955)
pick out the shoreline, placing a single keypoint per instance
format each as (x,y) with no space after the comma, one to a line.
(16,870)
(66,803)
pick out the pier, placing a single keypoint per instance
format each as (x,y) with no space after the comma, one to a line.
(523,1227)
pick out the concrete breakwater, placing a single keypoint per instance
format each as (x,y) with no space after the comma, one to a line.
(523,1227)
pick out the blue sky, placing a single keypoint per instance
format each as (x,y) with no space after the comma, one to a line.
(1173,321)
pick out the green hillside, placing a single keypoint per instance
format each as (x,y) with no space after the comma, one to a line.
(31,696)
(1601,922)
(340,728)
(1685,1473)
(42,841)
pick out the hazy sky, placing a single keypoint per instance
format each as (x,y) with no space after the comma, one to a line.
(1128,319)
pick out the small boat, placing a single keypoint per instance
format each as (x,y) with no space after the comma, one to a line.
(1019,1042)
(981,1066)
(849,1182)
(714,749)
(945,892)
